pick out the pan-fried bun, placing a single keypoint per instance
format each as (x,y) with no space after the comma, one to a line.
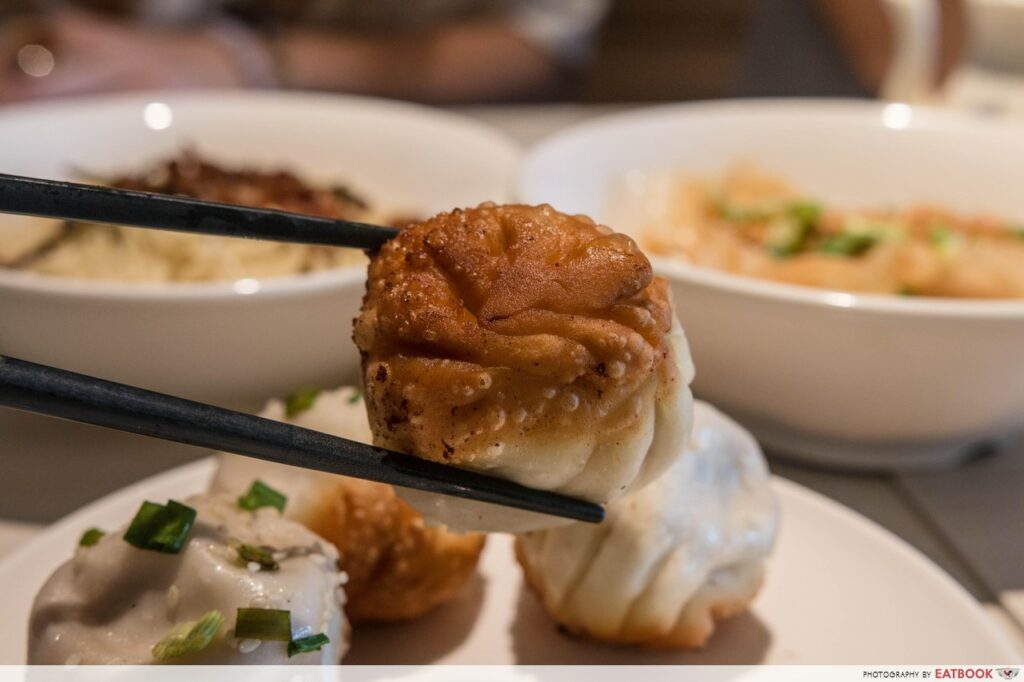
(525,344)
(398,567)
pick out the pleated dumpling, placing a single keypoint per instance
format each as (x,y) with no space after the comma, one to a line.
(526,344)
(671,558)
(398,567)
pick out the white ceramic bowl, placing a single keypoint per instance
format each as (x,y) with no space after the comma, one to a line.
(233,343)
(853,380)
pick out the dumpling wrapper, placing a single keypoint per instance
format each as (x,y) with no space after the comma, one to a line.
(112,602)
(670,558)
(525,344)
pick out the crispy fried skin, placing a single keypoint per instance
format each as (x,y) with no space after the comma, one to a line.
(398,568)
(484,326)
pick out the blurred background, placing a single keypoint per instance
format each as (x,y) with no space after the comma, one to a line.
(468,51)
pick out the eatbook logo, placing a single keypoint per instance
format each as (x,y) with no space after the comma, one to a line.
(1007,673)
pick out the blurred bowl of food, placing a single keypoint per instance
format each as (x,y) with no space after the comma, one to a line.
(850,275)
(215,319)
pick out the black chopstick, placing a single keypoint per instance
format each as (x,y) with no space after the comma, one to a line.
(77,397)
(94,203)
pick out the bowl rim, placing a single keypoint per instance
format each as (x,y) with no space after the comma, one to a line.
(245,288)
(286,286)
(880,304)
(842,110)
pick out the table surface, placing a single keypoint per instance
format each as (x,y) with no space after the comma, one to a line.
(969,520)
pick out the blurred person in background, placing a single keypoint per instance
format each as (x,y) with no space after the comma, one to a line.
(427,50)
(840,48)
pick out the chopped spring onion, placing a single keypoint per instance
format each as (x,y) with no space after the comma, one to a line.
(805,212)
(907,290)
(264,624)
(848,243)
(356,397)
(1019,232)
(304,645)
(796,227)
(90,537)
(794,239)
(264,556)
(736,213)
(881,228)
(942,238)
(162,528)
(300,401)
(802,210)
(262,495)
(188,638)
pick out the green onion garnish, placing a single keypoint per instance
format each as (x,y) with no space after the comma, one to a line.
(300,401)
(188,638)
(262,495)
(264,624)
(882,229)
(1019,232)
(90,537)
(794,238)
(942,238)
(304,645)
(805,212)
(356,397)
(848,243)
(162,528)
(264,556)
(735,213)
(907,290)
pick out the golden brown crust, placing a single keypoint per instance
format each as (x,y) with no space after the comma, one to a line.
(398,568)
(482,325)
(690,632)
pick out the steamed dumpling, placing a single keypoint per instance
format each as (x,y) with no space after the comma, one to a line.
(398,567)
(113,602)
(525,344)
(671,558)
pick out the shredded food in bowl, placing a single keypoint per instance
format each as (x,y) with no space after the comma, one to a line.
(114,253)
(751,222)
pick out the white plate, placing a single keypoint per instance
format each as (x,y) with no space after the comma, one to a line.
(840,590)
